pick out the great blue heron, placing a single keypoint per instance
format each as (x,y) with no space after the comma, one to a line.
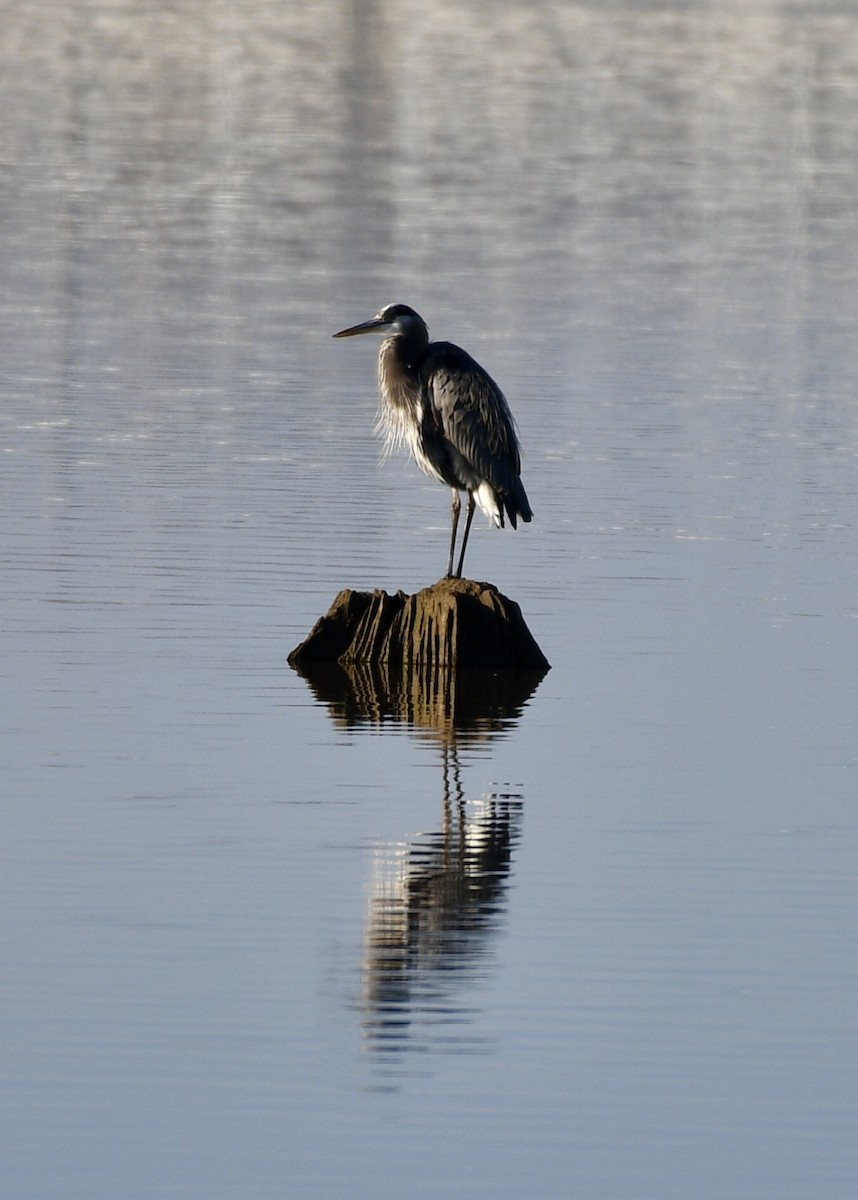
(451,415)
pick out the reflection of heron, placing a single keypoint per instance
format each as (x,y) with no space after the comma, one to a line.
(452,416)
(437,901)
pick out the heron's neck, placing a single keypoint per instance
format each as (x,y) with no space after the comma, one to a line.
(399,386)
(397,379)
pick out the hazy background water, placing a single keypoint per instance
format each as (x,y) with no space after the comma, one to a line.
(254,945)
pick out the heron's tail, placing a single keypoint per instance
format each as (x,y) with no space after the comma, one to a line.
(517,505)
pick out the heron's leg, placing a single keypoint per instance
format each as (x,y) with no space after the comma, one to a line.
(472,504)
(454,509)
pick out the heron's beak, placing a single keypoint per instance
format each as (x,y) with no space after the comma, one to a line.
(364,327)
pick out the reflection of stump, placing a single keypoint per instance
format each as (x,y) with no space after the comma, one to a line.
(456,623)
(464,707)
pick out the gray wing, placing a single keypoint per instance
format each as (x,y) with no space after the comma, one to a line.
(471,412)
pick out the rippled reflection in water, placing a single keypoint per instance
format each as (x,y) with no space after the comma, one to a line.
(436,899)
(436,902)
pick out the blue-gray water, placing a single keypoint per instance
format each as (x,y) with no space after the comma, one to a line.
(603,947)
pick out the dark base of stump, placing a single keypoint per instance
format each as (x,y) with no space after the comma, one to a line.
(455,623)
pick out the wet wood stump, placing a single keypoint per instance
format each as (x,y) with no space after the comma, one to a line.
(455,623)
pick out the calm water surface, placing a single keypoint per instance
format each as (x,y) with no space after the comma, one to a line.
(597,941)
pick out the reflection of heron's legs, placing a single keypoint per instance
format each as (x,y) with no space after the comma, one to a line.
(471,506)
(445,776)
(446,753)
(453,791)
(456,505)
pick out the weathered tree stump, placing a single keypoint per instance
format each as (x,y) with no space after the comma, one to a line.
(455,623)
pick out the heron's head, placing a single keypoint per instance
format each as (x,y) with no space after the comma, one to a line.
(394,320)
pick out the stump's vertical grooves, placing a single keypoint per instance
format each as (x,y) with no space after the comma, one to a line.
(456,623)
